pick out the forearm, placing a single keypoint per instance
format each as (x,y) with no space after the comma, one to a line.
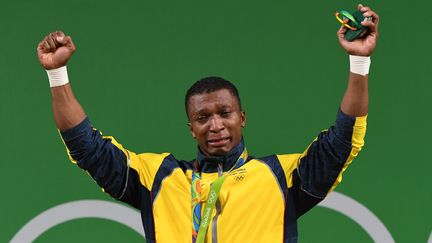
(67,111)
(356,99)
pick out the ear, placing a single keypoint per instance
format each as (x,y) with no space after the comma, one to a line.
(243,119)
(191,130)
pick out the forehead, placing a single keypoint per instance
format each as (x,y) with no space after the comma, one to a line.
(216,99)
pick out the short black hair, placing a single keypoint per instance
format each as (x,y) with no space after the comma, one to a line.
(210,84)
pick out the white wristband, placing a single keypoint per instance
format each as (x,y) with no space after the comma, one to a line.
(359,64)
(58,76)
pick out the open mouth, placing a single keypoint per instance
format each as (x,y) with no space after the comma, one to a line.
(218,142)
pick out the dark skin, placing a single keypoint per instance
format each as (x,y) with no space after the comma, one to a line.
(55,50)
(216,121)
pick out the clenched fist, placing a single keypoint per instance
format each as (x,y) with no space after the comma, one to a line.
(365,45)
(55,50)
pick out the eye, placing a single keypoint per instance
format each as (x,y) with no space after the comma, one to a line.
(225,114)
(201,118)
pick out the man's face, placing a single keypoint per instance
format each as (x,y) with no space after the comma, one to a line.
(216,121)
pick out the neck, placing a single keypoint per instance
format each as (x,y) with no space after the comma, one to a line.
(209,164)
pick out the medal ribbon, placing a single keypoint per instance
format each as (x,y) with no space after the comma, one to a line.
(199,227)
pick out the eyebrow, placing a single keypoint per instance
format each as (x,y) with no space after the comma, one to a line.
(218,107)
(225,106)
(222,107)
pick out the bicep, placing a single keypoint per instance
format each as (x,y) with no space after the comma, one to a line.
(318,170)
(321,166)
(102,157)
(119,172)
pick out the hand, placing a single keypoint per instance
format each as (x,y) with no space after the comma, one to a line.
(363,46)
(55,50)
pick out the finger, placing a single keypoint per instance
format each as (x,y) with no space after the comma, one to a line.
(59,34)
(341,34)
(68,42)
(364,9)
(341,31)
(40,48)
(371,25)
(374,21)
(52,43)
(360,6)
(370,13)
(45,45)
(62,40)
(53,36)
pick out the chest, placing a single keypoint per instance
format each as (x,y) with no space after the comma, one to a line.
(249,198)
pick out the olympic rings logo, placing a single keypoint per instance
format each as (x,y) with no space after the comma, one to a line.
(212,197)
(239,177)
(132,218)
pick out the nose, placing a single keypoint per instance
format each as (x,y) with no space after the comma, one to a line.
(216,124)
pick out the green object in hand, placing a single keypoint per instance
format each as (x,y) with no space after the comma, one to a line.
(353,24)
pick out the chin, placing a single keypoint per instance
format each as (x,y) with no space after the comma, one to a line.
(219,151)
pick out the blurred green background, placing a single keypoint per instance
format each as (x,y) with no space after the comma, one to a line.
(135,60)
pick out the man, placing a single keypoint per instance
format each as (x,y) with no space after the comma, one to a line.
(224,195)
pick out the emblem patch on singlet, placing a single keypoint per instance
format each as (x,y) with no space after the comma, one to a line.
(239,174)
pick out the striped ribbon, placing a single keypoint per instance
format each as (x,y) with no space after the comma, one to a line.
(199,227)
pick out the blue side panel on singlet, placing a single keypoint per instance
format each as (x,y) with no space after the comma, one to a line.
(290,219)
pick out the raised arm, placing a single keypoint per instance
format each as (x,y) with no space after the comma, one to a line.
(355,100)
(102,157)
(121,173)
(318,170)
(54,52)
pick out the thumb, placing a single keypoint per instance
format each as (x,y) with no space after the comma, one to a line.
(66,41)
(341,32)
(62,40)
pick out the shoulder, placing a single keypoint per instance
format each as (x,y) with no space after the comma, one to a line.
(282,166)
(166,160)
(286,162)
